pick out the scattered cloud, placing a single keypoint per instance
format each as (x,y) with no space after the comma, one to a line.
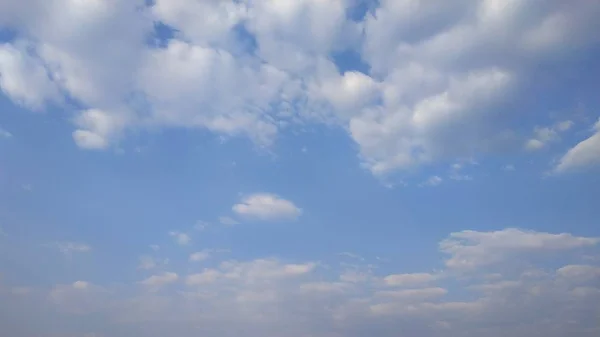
(471,249)
(69,248)
(147,263)
(270,296)
(542,136)
(432,181)
(201,225)
(580,273)
(200,256)
(182,239)
(266,206)
(5,134)
(429,94)
(404,280)
(160,280)
(228,221)
(583,155)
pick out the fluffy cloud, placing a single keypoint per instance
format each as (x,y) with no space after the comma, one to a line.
(403,280)
(271,296)
(159,280)
(23,78)
(68,248)
(583,155)
(4,133)
(200,256)
(544,135)
(265,206)
(471,249)
(440,81)
(181,238)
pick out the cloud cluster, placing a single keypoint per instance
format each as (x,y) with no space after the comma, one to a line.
(266,206)
(441,81)
(271,296)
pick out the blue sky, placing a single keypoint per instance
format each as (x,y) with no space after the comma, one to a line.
(299,168)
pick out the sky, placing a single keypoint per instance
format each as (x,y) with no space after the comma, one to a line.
(299,168)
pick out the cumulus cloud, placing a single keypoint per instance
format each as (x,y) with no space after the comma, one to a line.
(272,296)
(200,256)
(69,248)
(437,83)
(472,249)
(266,206)
(228,221)
(542,136)
(181,238)
(403,280)
(159,280)
(4,133)
(433,181)
(583,155)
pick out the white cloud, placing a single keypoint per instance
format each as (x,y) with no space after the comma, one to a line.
(81,285)
(68,248)
(271,297)
(404,280)
(147,263)
(542,136)
(4,133)
(159,280)
(181,238)
(265,206)
(438,82)
(433,181)
(413,294)
(200,256)
(583,155)
(23,77)
(228,221)
(201,225)
(471,249)
(580,273)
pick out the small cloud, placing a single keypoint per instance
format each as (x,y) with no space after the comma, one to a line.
(461,177)
(201,225)
(403,280)
(200,256)
(564,125)
(228,221)
(432,181)
(159,280)
(352,256)
(542,136)
(583,155)
(508,167)
(155,247)
(534,144)
(181,238)
(147,263)
(267,206)
(69,248)
(5,134)
(81,285)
